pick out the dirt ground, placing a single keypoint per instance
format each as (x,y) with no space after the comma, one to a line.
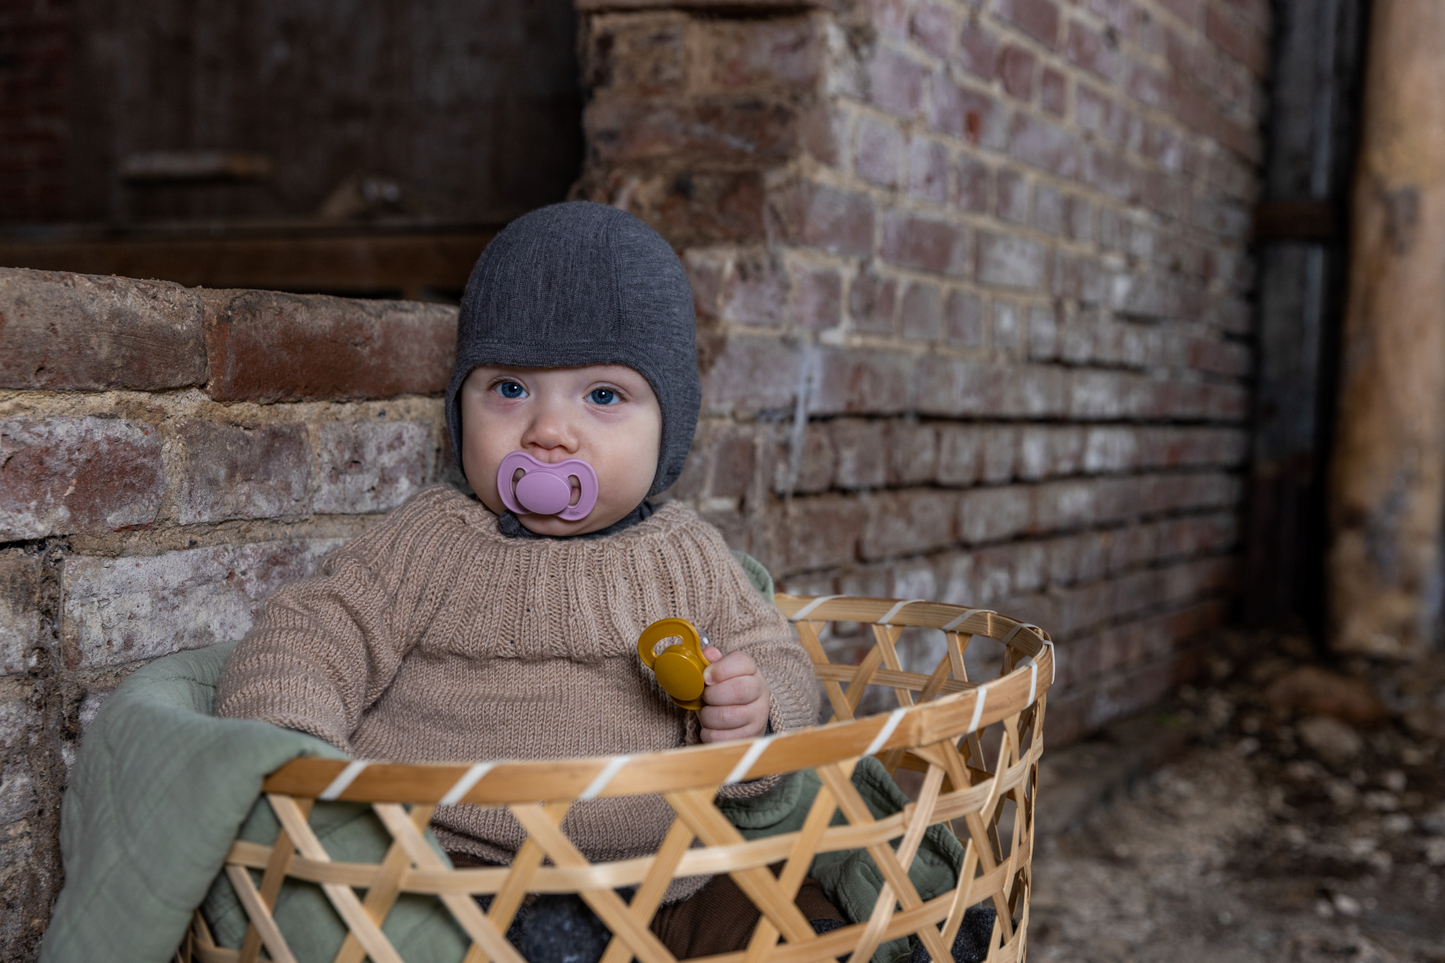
(1304,822)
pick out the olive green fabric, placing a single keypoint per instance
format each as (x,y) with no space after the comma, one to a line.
(850,879)
(159,789)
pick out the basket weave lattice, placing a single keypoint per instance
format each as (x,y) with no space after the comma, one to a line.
(940,728)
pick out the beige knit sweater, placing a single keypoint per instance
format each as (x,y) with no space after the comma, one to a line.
(433,637)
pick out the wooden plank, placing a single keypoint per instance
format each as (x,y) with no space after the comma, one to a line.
(356,263)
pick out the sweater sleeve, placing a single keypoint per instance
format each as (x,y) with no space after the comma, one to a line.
(325,648)
(748,623)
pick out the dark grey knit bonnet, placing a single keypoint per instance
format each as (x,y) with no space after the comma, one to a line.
(577,284)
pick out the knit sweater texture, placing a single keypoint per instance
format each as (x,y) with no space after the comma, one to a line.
(433,637)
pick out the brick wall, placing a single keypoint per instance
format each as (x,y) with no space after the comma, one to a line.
(168,457)
(971,281)
(971,287)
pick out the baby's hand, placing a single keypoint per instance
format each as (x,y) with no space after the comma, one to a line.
(735,699)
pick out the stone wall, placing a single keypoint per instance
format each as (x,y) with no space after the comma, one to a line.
(971,282)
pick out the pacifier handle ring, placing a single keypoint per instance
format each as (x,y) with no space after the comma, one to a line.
(667,628)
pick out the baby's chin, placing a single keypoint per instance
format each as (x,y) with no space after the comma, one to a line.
(552,525)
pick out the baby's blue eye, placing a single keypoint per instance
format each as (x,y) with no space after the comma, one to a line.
(510,389)
(602,396)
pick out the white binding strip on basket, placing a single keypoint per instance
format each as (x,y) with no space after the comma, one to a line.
(343,779)
(965,617)
(897,607)
(464,785)
(1033,678)
(1053,662)
(894,717)
(746,762)
(807,610)
(613,767)
(980,696)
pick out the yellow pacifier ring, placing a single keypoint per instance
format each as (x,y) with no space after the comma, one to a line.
(679,667)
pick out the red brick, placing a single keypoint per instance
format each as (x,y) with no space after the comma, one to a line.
(640,55)
(861,451)
(1011,262)
(839,222)
(64,475)
(994,514)
(825,134)
(977,50)
(1237,39)
(757,53)
(974,179)
(242,471)
(371,466)
(1037,18)
(264,346)
(817,297)
(960,455)
(880,153)
(963,320)
(123,610)
(872,303)
(733,461)
(750,374)
(820,532)
(858,380)
(1049,210)
(814,468)
(909,522)
(1088,49)
(1012,197)
(707,206)
(912,453)
(933,27)
(973,116)
(924,244)
(20,615)
(1016,67)
(78,332)
(626,129)
(754,291)
(1054,92)
(895,82)
(921,316)
(928,170)
(1044,145)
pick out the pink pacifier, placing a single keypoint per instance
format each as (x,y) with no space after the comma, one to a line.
(547,489)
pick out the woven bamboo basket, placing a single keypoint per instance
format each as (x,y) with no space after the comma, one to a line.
(972,745)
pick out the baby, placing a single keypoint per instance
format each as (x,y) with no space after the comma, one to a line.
(461,629)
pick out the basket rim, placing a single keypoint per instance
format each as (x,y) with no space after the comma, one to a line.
(505,782)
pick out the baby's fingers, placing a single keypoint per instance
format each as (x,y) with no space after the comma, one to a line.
(730,666)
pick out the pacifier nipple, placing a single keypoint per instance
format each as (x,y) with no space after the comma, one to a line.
(546,489)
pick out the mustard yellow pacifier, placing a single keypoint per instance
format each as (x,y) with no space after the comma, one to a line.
(679,667)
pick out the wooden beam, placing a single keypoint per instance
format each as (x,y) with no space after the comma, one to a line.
(359,263)
(1387,477)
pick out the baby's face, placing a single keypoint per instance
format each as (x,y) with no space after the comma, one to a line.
(604,414)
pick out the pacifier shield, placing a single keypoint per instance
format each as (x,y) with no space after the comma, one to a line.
(543,493)
(546,489)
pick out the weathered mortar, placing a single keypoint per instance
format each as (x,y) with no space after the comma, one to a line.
(971,282)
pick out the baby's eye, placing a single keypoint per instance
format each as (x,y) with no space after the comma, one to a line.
(603,396)
(510,389)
